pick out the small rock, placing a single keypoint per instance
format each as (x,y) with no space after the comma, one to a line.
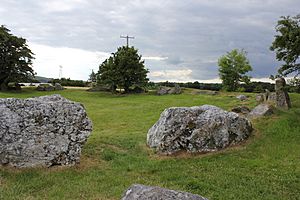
(260,98)
(241,109)
(142,192)
(162,90)
(45,87)
(58,86)
(261,110)
(241,97)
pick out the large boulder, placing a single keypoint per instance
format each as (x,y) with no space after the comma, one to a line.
(42,131)
(142,192)
(282,96)
(197,129)
(261,110)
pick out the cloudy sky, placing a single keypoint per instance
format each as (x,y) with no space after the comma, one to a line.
(179,40)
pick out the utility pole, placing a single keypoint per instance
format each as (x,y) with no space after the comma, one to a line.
(127,39)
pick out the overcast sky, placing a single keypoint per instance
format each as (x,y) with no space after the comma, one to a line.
(179,40)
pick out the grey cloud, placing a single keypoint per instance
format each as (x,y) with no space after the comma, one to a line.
(191,33)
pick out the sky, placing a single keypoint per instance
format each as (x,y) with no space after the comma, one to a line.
(179,40)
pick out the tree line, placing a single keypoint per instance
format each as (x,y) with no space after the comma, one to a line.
(125,68)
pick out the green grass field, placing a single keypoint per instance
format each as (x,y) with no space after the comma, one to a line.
(267,166)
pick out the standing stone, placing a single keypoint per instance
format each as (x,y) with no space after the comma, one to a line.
(142,192)
(197,129)
(282,96)
(42,131)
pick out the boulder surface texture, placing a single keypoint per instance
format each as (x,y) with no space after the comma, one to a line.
(142,192)
(261,110)
(42,131)
(197,129)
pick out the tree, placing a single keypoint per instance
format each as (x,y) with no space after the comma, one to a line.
(287,45)
(233,67)
(93,77)
(123,69)
(15,59)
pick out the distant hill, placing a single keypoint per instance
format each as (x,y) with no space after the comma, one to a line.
(42,79)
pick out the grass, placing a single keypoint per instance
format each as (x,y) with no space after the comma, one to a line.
(116,156)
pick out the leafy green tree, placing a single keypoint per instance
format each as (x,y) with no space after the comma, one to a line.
(123,69)
(287,44)
(232,69)
(15,59)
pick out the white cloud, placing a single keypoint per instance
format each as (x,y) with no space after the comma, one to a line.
(76,63)
(61,5)
(159,58)
(181,75)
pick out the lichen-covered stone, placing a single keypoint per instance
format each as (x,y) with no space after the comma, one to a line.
(142,192)
(261,110)
(45,87)
(162,90)
(42,131)
(197,129)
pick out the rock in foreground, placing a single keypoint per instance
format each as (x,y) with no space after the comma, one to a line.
(42,131)
(142,192)
(197,129)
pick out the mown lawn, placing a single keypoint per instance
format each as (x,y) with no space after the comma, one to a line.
(116,156)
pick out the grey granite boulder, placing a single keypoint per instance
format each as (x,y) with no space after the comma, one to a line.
(162,90)
(42,131)
(142,192)
(261,110)
(45,87)
(197,129)
(58,86)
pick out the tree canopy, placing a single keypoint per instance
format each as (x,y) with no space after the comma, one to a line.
(123,69)
(287,44)
(15,59)
(232,69)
